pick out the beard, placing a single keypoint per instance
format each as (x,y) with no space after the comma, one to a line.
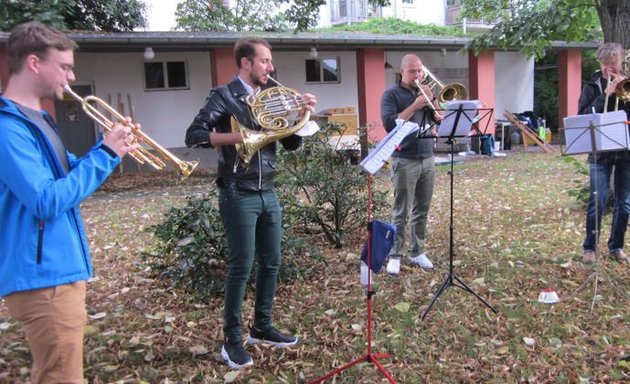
(259,83)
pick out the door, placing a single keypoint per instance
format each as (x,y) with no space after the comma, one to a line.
(76,128)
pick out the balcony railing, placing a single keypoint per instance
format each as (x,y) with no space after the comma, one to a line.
(352,11)
(452,13)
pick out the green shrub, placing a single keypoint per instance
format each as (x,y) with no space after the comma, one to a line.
(581,186)
(191,248)
(323,190)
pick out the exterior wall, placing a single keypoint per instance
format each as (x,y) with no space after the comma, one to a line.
(420,11)
(164,115)
(514,83)
(291,72)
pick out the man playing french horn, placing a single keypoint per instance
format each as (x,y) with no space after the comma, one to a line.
(248,204)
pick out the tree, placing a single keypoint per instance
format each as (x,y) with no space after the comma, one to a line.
(90,15)
(531,25)
(246,15)
(216,15)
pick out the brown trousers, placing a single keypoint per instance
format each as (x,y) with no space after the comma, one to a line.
(54,322)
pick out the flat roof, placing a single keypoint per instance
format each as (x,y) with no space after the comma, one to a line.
(202,41)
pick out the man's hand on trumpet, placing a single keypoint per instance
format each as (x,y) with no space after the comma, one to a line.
(120,138)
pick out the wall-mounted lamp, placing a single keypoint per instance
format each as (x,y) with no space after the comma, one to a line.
(148,53)
(313,53)
(443,52)
(387,64)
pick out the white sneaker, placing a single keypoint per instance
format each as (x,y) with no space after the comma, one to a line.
(393,265)
(422,260)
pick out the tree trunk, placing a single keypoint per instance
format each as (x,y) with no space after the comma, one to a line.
(614,16)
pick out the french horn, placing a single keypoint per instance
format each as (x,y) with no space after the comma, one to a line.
(278,110)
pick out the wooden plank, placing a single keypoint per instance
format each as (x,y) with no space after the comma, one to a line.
(530,135)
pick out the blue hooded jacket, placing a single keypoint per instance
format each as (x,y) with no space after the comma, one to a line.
(42,239)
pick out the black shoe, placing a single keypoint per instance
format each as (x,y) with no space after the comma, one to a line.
(236,356)
(271,336)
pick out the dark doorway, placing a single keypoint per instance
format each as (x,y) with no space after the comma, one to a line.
(77,130)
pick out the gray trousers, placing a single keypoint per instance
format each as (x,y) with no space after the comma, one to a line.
(413,182)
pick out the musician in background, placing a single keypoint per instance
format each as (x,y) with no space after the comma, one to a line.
(44,255)
(412,164)
(597,92)
(247,201)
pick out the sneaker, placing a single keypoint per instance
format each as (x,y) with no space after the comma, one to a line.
(236,356)
(619,256)
(588,257)
(393,265)
(271,336)
(422,260)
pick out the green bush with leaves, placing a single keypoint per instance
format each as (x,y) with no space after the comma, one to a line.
(323,189)
(581,186)
(191,248)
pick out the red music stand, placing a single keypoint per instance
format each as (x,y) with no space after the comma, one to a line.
(369,356)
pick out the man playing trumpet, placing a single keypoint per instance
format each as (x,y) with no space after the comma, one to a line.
(412,164)
(248,204)
(44,255)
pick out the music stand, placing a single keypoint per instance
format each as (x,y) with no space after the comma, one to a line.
(585,134)
(457,122)
(369,356)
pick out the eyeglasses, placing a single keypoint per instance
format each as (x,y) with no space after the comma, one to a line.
(64,66)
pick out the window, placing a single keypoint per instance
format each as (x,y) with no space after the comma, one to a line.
(162,75)
(322,70)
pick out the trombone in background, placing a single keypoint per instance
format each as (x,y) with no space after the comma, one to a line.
(446,92)
(142,155)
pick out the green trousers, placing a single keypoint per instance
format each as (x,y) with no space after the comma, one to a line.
(252,223)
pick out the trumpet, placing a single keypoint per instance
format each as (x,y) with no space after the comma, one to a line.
(142,155)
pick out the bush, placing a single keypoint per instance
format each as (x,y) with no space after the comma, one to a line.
(323,190)
(191,250)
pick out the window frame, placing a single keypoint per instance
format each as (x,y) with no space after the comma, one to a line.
(165,63)
(321,70)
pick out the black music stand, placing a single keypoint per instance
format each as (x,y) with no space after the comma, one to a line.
(584,134)
(460,117)
(369,356)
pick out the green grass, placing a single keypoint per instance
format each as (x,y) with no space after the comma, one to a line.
(516,232)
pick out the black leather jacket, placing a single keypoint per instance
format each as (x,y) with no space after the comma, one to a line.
(222,103)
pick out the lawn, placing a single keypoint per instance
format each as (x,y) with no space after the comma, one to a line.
(516,232)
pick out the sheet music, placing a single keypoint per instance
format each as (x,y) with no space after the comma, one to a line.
(610,132)
(466,119)
(379,155)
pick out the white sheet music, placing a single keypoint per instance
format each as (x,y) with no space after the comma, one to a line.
(379,155)
(610,132)
(469,113)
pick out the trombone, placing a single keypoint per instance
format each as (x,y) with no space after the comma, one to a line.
(448,92)
(142,155)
